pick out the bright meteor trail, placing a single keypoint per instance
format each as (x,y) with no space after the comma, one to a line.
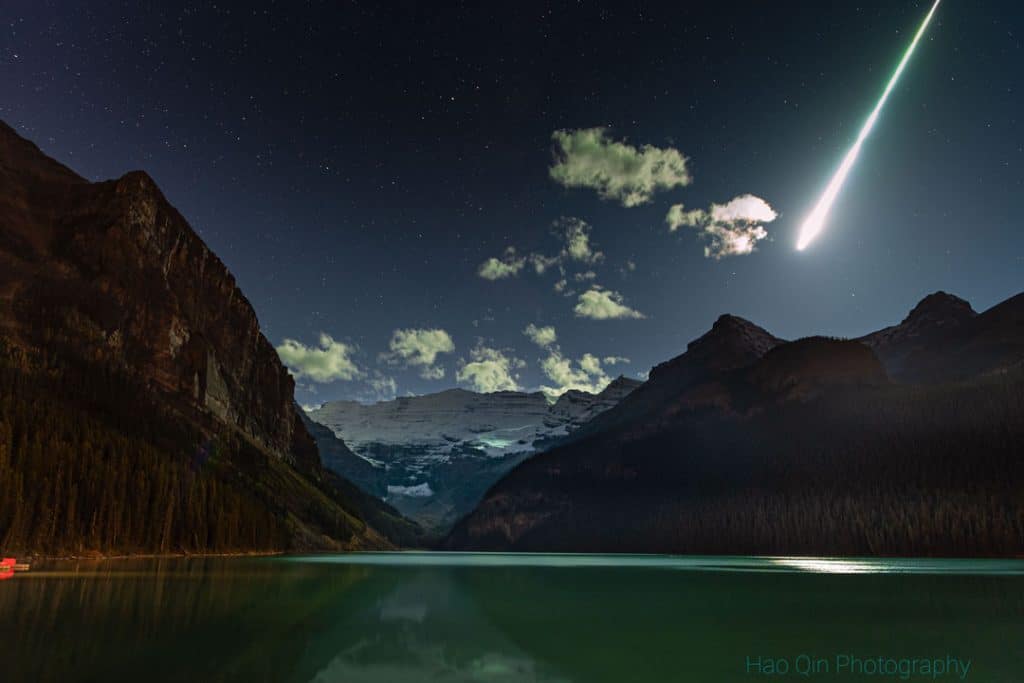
(816,221)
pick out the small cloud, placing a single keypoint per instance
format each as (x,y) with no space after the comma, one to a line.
(384,388)
(330,362)
(307,408)
(589,158)
(585,277)
(603,304)
(677,217)
(508,265)
(733,228)
(575,234)
(561,287)
(541,336)
(541,263)
(419,348)
(615,360)
(490,370)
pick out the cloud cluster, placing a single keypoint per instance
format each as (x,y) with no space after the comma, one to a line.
(733,228)
(508,265)
(573,233)
(589,158)
(329,362)
(585,374)
(490,370)
(598,303)
(419,348)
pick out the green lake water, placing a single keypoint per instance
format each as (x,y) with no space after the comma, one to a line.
(398,617)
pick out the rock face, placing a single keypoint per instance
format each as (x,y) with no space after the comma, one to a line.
(107,279)
(749,445)
(438,453)
(115,273)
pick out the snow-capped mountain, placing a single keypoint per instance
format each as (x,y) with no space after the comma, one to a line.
(440,452)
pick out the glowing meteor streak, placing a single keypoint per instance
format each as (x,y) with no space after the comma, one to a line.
(816,221)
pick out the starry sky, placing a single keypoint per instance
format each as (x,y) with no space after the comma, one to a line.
(387,183)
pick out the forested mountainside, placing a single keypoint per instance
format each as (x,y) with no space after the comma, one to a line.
(809,447)
(142,408)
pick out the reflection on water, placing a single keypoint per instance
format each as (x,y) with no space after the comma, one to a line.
(396,617)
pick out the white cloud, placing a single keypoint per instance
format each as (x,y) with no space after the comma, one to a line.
(490,370)
(745,207)
(331,361)
(732,239)
(508,265)
(603,304)
(584,277)
(561,287)
(614,360)
(575,233)
(589,158)
(733,228)
(541,336)
(585,374)
(419,348)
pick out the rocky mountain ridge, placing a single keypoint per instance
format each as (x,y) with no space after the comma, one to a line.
(110,301)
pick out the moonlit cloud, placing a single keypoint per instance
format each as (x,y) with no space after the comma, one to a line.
(678,217)
(384,388)
(330,362)
(419,348)
(508,265)
(732,229)
(541,336)
(617,171)
(603,304)
(490,370)
(575,233)
(584,374)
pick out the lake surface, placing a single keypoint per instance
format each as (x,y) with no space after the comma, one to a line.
(398,617)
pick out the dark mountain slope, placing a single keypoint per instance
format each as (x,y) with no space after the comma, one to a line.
(143,408)
(808,450)
(943,339)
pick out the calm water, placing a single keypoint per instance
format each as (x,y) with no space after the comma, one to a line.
(397,617)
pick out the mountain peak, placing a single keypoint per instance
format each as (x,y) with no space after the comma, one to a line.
(940,306)
(733,334)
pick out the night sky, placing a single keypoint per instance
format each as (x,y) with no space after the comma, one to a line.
(357,167)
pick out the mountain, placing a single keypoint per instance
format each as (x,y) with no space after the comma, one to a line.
(943,339)
(433,456)
(731,343)
(749,445)
(142,408)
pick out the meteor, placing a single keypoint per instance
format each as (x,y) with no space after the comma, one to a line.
(816,221)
